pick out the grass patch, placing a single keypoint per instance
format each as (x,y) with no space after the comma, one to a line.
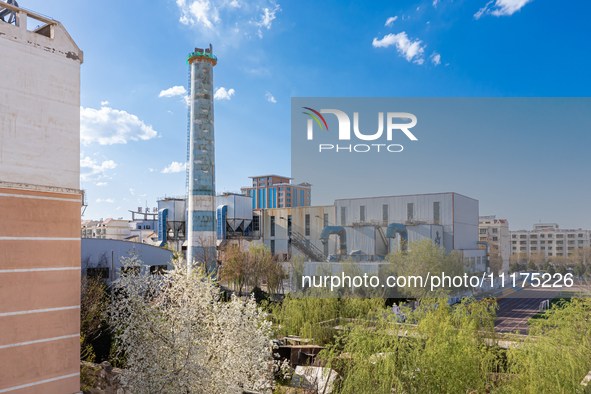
(559,299)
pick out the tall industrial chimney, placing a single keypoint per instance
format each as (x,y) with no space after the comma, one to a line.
(201,231)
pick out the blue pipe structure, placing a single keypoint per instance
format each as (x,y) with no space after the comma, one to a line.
(338,230)
(397,228)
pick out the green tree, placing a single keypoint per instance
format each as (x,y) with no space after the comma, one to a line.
(531,266)
(562,269)
(515,267)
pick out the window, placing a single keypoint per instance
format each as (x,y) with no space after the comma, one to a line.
(514,247)
(542,242)
(533,236)
(307,230)
(549,235)
(495,230)
(385,212)
(522,249)
(580,241)
(158,269)
(559,248)
(533,248)
(580,235)
(558,254)
(309,192)
(131,271)
(343,216)
(325,220)
(272,247)
(570,236)
(289,225)
(362,213)
(98,272)
(483,230)
(542,248)
(533,242)
(550,254)
(514,242)
(549,242)
(272,231)
(523,236)
(570,248)
(410,208)
(514,236)
(255,223)
(571,242)
(436,212)
(550,248)
(541,235)
(559,235)
(559,242)
(495,238)
(522,242)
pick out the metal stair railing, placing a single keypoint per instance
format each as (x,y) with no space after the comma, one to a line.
(306,247)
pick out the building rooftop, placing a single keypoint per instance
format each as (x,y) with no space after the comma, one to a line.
(276,176)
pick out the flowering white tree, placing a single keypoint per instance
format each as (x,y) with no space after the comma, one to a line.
(176,336)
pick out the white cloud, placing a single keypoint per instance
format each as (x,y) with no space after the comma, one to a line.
(223,94)
(410,50)
(501,7)
(174,167)
(390,20)
(143,195)
(151,169)
(109,126)
(435,3)
(118,208)
(109,200)
(270,97)
(104,103)
(266,18)
(91,170)
(174,91)
(132,192)
(435,58)
(227,20)
(101,184)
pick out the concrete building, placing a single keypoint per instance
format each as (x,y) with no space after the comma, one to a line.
(201,227)
(548,240)
(102,257)
(274,191)
(41,202)
(496,233)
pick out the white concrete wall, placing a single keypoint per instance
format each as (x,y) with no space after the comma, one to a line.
(39,107)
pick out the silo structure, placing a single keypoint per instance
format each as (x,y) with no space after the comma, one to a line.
(201,229)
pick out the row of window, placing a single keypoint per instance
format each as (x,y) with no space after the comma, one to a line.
(385,210)
(103,272)
(549,242)
(306,224)
(535,236)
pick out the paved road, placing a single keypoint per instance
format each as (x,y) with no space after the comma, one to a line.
(514,311)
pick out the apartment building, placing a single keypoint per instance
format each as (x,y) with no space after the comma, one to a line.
(41,201)
(496,233)
(549,240)
(274,191)
(111,228)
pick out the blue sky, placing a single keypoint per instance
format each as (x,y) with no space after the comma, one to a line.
(269,51)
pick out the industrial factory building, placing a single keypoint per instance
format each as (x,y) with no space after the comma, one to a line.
(449,219)
(41,202)
(291,231)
